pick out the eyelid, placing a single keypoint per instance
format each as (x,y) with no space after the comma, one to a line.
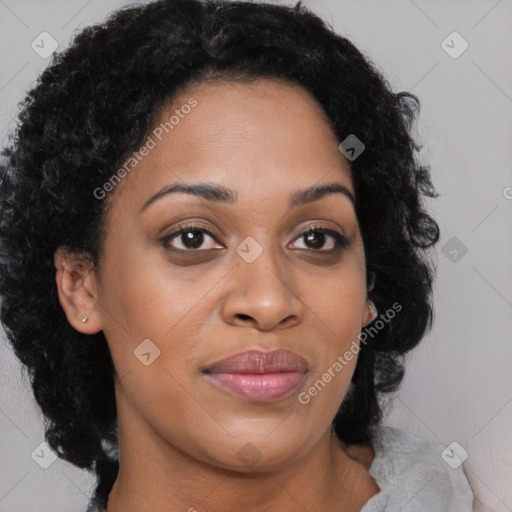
(316,226)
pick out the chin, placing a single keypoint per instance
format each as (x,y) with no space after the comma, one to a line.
(259,455)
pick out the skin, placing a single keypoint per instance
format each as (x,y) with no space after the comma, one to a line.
(181,436)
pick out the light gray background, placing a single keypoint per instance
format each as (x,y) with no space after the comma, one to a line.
(458,385)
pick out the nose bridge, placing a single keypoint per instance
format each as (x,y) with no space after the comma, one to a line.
(260,265)
(263,289)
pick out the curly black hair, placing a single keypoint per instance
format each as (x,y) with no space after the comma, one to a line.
(96,102)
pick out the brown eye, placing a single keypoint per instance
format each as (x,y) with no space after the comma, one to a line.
(315,239)
(191,238)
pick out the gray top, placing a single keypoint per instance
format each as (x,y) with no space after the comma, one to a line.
(411,475)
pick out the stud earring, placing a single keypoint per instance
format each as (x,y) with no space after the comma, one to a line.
(84,319)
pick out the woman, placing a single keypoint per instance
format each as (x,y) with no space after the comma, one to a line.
(216,256)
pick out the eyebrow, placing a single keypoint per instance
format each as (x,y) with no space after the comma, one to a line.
(220,194)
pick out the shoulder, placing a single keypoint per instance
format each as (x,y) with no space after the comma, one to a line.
(413,475)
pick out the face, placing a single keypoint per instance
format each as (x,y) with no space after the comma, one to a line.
(203,278)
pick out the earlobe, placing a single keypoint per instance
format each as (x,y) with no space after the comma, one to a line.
(370,313)
(77,290)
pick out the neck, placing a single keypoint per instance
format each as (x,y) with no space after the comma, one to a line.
(155,475)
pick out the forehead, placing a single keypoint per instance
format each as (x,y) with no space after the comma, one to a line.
(257,137)
(260,110)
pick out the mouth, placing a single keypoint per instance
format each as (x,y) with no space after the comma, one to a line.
(259,376)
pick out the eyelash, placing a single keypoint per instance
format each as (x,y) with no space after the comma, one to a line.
(341,241)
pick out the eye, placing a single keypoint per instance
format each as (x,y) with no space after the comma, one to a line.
(316,237)
(190,237)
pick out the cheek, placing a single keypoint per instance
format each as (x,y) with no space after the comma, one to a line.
(328,382)
(339,305)
(336,306)
(148,297)
(152,314)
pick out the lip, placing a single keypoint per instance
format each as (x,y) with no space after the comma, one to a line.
(259,376)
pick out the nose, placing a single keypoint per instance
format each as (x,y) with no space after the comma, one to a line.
(261,294)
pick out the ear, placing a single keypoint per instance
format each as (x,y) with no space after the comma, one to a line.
(77,289)
(369,314)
